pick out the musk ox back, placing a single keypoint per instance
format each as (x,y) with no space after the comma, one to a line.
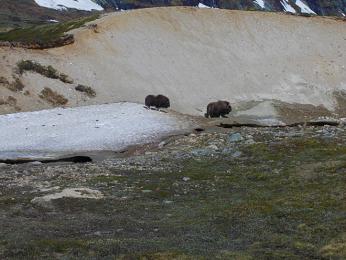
(159,101)
(217,109)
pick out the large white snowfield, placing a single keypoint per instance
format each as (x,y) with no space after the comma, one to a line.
(109,127)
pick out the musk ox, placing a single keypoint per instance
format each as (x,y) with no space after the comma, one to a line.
(159,101)
(217,109)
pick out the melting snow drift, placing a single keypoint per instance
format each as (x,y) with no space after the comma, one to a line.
(200,5)
(260,3)
(86,5)
(288,7)
(304,8)
(91,128)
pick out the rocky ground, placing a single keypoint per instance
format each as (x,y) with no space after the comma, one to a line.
(239,193)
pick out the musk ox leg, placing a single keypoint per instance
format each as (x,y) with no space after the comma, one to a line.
(162,111)
(224,116)
(214,115)
(150,107)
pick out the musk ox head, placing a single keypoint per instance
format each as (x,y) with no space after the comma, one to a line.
(226,107)
(162,101)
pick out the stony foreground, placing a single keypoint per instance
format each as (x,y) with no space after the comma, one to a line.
(240,193)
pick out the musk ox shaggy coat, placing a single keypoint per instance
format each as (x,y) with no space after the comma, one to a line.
(217,109)
(159,101)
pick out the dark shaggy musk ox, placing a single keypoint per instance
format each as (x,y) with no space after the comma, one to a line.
(159,101)
(217,109)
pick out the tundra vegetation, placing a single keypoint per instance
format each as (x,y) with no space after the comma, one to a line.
(242,193)
(53,97)
(47,71)
(44,34)
(89,91)
(11,101)
(15,86)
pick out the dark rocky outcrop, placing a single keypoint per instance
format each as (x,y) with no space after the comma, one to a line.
(322,7)
(73,159)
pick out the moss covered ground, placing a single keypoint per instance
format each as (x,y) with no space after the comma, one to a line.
(279,198)
(44,33)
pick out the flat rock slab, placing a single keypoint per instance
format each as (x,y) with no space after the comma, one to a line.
(82,193)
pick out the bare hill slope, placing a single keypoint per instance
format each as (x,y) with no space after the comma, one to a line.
(192,55)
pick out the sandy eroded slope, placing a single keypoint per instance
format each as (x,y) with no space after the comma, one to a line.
(194,56)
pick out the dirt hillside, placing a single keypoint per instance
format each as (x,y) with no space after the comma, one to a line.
(194,56)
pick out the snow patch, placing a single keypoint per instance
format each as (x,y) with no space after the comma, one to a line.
(288,7)
(86,5)
(108,127)
(304,8)
(260,3)
(53,21)
(200,5)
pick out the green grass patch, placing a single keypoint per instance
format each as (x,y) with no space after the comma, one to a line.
(15,86)
(89,91)
(29,65)
(53,97)
(75,248)
(278,201)
(47,71)
(107,179)
(44,33)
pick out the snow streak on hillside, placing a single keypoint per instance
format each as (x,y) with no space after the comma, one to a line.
(86,5)
(304,8)
(200,5)
(260,3)
(287,7)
